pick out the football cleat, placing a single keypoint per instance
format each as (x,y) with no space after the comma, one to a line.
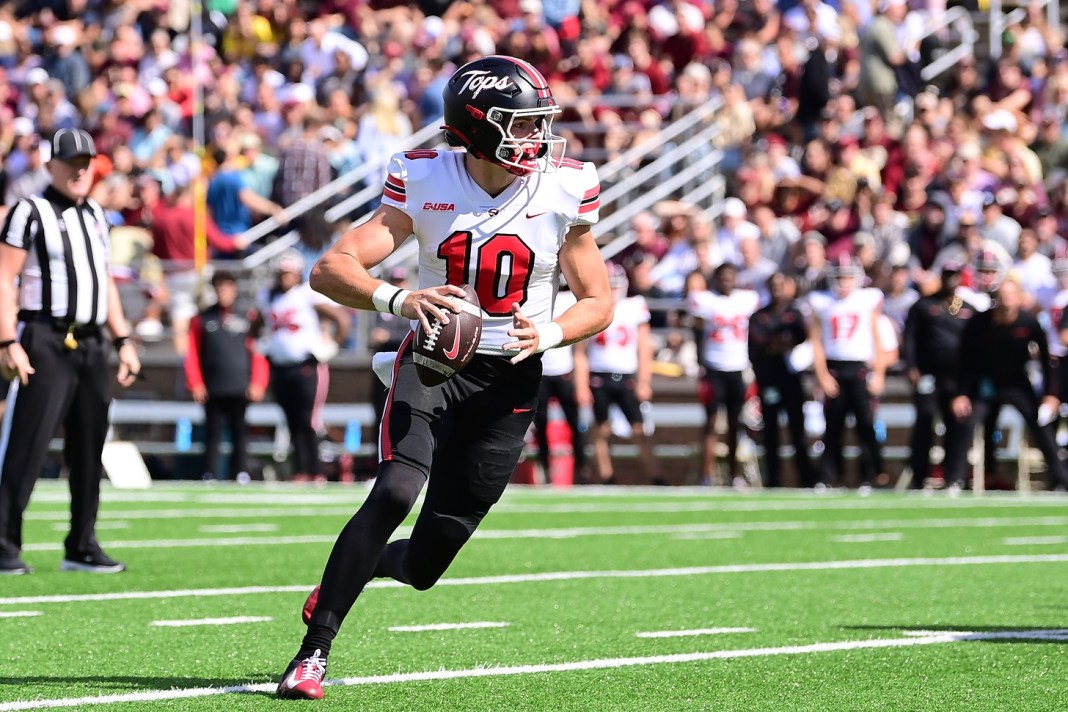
(304,678)
(309,605)
(14,566)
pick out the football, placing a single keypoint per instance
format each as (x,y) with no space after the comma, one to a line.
(443,352)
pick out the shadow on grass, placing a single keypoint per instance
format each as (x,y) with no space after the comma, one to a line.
(1052,634)
(121,684)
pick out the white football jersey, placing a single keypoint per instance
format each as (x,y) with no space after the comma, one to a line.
(1053,301)
(294,324)
(559,361)
(726,331)
(615,350)
(504,246)
(846,323)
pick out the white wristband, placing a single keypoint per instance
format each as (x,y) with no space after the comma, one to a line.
(389,299)
(549,336)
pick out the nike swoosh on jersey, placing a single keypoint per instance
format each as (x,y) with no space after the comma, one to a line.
(531,216)
(455,350)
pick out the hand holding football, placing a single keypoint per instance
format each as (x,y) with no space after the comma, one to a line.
(444,352)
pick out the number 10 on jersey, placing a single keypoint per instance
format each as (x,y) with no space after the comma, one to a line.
(502,268)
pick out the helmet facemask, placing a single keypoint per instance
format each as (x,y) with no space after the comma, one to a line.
(539,152)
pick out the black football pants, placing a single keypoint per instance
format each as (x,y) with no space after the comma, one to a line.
(68,388)
(562,388)
(853,397)
(465,436)
(294,387)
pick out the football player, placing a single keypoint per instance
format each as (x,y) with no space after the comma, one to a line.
(848,360)
(504,215)
(723,322)
(616,368)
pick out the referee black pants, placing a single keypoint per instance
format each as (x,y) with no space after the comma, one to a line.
(68,388)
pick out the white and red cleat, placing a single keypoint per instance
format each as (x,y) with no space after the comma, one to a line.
(304,679)
(309,605)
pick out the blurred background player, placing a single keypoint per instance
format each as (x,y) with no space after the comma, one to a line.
(849,368)
(558,381)
(996,349)
(617,369)
(722,320)
(774,332)
(225,372)
(299,373)
(1052,305)
(932,339)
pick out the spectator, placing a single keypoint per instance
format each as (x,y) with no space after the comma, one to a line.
(231,200)
(303,167)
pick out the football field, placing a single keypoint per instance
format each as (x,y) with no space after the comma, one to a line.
(586,599)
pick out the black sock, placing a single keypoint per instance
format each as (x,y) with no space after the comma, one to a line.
(322,629)
(391,562)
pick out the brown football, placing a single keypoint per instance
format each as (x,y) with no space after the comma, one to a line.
(443,352)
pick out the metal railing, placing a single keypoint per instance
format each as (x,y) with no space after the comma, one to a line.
(1000,20)
(960,21)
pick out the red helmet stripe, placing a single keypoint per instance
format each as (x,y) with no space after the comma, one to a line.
(536,78)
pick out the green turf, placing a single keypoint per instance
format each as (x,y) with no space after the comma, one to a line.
(891,592)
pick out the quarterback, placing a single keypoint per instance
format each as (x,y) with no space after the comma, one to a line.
(504,215)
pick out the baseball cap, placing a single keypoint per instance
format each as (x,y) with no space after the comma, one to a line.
(37,75)
(734,208)
(952,266)
(71,143)
(23,126)
(289,261)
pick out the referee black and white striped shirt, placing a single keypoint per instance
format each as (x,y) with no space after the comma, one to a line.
(67,244)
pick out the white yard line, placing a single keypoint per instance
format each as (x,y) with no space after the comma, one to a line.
(694,632)
(852,564)
(20,614)
(573,532)
(446,626)
(236,528)
(114,524)
(511,670)
(707,535)
(864,538)
(1038,540)
(212,621)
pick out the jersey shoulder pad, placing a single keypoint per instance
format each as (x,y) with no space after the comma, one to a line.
(406,170)
(579,180)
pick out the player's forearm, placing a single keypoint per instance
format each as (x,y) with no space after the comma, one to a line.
(341,277)
(588,316)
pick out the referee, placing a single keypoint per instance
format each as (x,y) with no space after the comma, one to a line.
(52,343)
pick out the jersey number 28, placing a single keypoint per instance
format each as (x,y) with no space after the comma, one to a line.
(502,268)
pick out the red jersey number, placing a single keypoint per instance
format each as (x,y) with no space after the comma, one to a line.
(843,326)
(502,268)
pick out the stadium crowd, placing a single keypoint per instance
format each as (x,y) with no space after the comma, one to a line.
(834,147)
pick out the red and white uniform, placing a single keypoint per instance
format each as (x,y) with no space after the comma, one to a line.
(726,331)
(294,323)
(615,350)
(846,323)
(506,246)
(559,361)
(1053,301)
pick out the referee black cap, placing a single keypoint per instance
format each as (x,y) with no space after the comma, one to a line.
(71,143)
